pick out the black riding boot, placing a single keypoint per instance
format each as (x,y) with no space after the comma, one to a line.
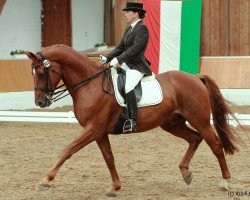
(130,124)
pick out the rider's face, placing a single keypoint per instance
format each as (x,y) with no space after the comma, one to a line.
(131,16)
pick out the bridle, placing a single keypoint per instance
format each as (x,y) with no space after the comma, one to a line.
(50,92)
(47,89)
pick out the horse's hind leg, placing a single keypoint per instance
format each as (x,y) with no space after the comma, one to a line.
(180,129)
(106,150)
(216,146)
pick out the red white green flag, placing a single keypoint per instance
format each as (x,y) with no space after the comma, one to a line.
(174,28)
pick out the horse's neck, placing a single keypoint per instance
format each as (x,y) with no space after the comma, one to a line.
(76,70)
(75,73)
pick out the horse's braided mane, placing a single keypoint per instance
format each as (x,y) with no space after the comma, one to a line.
(81,57)
(65,47)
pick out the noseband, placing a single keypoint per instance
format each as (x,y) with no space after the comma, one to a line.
(49,91)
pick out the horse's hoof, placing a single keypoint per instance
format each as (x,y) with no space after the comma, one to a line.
(42,186)
(223,185)
(188,178)
(111,194)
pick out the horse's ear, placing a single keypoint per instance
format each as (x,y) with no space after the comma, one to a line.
(31,55)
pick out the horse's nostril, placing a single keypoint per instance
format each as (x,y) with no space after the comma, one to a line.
(41,101)
(40,104)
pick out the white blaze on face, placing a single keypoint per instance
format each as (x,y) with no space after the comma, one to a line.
(33,71)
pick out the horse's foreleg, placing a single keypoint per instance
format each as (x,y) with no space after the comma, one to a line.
(193,138)
(106,150)
(85,138)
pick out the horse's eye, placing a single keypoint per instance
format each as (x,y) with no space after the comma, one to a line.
(34,73)
(40,74)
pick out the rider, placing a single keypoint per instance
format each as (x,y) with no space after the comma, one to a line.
(129,55)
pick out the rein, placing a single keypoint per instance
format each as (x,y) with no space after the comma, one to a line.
(58,94)
(82,83)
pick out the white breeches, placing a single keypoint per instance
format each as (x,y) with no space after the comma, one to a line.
(132,78)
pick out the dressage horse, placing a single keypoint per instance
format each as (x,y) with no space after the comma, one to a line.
(186,98)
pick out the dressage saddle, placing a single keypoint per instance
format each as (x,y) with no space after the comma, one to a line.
(121,81)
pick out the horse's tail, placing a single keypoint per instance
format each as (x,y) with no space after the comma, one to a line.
(221,112)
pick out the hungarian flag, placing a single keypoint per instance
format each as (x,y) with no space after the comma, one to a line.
(174,28)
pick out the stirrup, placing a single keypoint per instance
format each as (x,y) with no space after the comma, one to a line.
(129,123)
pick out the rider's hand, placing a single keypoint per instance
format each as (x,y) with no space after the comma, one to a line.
(102,60)
(114,62)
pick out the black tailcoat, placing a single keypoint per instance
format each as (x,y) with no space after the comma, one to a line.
(132,47)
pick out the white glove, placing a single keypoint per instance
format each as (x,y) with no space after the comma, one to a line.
(114,62)
(102,60)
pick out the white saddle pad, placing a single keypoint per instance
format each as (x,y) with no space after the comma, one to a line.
(151,91)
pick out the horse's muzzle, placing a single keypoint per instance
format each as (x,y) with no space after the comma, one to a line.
(43,101)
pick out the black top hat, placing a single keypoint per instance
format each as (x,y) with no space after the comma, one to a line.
(131,6)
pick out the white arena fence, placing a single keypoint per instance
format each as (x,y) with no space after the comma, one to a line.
(69,117)
(22,116)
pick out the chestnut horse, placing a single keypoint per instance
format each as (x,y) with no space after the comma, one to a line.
(186,98)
